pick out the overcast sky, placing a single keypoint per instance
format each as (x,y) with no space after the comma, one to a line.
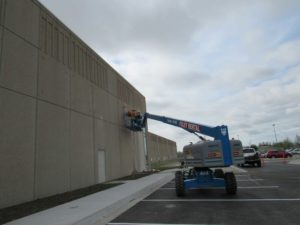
(213,62)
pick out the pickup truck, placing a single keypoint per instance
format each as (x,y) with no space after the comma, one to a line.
(251,157)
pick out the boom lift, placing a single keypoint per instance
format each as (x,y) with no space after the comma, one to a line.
(200,157)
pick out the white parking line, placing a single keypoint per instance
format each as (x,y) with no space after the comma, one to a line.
(226,200)
(239,187)
(249,180)
(258,187)
(242,179)
(156,224)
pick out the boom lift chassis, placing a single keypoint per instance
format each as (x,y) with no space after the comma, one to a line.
(193,177)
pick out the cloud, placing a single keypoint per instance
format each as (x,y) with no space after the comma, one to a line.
(285,54)
(235,63)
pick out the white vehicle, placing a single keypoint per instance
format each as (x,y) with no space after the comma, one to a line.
(296,151)
(251,157)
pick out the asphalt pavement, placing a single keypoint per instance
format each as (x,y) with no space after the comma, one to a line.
(266,195)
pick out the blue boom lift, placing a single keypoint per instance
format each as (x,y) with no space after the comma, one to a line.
(199,158)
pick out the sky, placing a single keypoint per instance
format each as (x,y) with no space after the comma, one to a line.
(211,62)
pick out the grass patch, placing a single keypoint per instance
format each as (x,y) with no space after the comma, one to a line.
(28,208)
(137,175)
(166,165)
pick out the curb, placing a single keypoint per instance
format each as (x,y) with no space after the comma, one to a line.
(234,169)
(121,206)
(295,162)
(89,211)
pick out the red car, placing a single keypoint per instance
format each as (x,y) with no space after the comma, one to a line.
(278,154)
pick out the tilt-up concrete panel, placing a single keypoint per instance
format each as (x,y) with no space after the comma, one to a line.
(52,150)
(151,147)
(100,103)
(113,109)
(112,81)
(127,152)
(141,102)
(81,94)
(54,81)
(19,64)
(113,152)
(1,38)
(81,151)
(22,17)
(100,133)
(140,160)
(122,108)
(17,131)
(2,6)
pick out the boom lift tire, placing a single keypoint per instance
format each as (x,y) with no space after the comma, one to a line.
(230,183)
(179,183)
(219,173)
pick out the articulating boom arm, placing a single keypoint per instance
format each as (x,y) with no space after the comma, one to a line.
(136,121)
(188,126)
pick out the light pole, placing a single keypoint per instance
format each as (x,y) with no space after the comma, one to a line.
(274,132)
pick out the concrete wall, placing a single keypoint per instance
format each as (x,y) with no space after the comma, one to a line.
(160,149)
(61,105)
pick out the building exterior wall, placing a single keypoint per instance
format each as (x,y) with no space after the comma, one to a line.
(160,149)
(60,105)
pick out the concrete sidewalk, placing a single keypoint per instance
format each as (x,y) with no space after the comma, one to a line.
(104,206)
(236,170)
(295,160)
(101,207)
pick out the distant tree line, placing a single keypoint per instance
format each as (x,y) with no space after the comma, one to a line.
(285,144)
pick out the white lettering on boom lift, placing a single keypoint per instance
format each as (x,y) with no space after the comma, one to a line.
(189,126)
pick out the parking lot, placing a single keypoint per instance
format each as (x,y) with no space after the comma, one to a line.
(266,195)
